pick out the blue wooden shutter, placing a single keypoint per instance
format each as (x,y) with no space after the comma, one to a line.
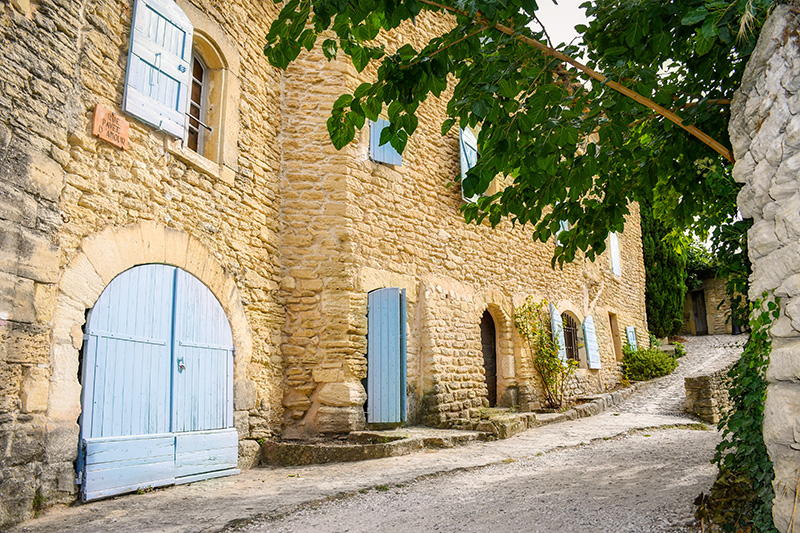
(613,241)
(590,338)
(630,333)
(386,356)
(563,225)
(158,74)
(557,327)
(385,153)
(469,157)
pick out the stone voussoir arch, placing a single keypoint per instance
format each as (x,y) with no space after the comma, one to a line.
(103,256)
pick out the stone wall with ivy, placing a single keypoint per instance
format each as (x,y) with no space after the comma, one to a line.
(765,133)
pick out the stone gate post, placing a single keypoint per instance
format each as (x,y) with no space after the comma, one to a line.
(765,134)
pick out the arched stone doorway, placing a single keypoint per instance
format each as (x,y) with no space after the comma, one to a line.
(489,349)
(157,378)
(102,257)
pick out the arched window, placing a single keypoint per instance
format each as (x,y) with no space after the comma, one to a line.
(182,78)
(571,337)
(198,106)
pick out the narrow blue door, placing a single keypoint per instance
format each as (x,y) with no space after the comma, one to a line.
(386,356)
(133,429)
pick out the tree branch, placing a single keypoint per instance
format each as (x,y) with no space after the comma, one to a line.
(666,113)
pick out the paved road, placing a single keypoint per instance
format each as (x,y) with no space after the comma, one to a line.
(582,474)
(667,395)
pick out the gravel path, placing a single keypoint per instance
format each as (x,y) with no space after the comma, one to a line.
(610,472)
(667,396)
(639,482)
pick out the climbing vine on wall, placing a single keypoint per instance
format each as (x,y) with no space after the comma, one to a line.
(741,498)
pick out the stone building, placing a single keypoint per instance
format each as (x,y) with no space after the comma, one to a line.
(187,265)
(707,310)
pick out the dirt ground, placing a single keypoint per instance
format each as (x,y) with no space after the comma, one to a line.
(645,481)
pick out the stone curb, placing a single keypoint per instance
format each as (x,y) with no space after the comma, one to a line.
(374,444)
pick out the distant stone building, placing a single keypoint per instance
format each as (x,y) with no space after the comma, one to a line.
(187,265)
(707,310)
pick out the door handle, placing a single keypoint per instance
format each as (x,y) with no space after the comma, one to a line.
(181,365)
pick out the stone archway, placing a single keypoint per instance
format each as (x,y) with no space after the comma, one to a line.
(499,307)
(103,256)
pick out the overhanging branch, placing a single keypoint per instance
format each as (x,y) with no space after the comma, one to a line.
(664,112)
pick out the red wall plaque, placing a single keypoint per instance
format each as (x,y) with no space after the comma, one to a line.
(110,127)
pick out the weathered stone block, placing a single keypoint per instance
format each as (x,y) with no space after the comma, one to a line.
(241,421)
(245,395)
(249,454)
(33,394)
(342,394)
(28,343)
(16,298)
(61,444)
(340,419)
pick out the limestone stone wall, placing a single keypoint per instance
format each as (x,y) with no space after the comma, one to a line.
(351,225)
(765,132)
(75,211)
(707,394)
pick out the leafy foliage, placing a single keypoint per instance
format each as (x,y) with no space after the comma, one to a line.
(646,363)
(680,350)
(701,264)
(665,277)
(577,151)
(741,498)
(532,321)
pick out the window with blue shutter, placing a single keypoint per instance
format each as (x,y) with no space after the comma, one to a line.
(469,157)
(563,225)
(557,327)
(592,348)
(382,153)
(158,74)
(630,333)
(613,242)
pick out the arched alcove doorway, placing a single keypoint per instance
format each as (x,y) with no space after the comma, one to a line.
(157,379)
(489,349)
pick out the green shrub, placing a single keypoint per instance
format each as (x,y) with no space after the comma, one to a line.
(680,351)
(644,364)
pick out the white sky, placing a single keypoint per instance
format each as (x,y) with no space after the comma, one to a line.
(560,20)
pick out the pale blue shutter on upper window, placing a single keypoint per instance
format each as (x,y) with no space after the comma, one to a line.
(158,73)
(385,153)
(613,241)
(469,157)
(630,333)
(557,327)
(592,349)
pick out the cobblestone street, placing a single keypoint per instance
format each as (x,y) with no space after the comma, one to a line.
(667,395)
(612,472)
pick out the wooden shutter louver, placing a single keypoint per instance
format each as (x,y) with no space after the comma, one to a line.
(613,241)
(158,74)
(557,327)
(592,348)
(468,148)
(630,333)
(382,153)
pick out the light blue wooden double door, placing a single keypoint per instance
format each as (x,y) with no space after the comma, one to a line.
(157,377)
